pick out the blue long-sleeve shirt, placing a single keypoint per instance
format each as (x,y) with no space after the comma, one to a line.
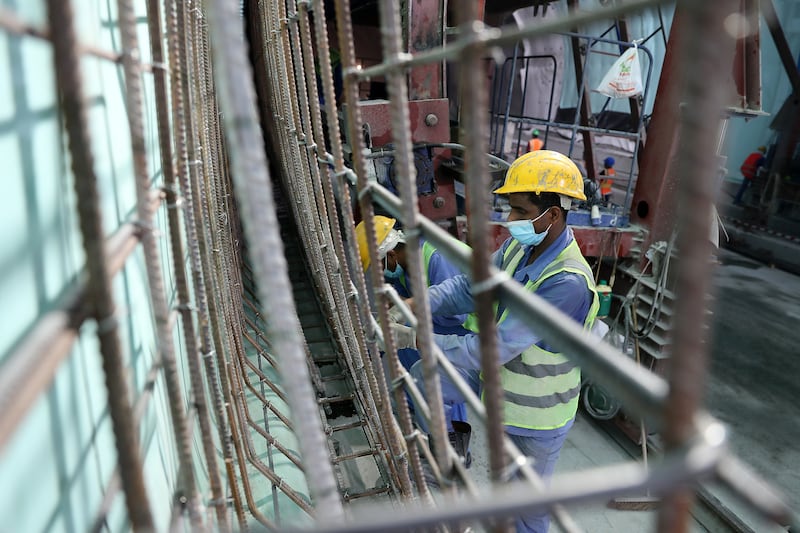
(565,290)
(439,271)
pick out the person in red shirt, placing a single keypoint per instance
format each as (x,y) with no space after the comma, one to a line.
(749,169)
(535,143)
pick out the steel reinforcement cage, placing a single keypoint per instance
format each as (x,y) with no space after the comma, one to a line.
(216,182)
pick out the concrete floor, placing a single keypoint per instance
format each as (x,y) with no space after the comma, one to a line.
(755,367)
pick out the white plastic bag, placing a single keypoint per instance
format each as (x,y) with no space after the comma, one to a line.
(624,78)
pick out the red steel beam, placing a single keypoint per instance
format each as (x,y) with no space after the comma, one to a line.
(653,203)
(426,31)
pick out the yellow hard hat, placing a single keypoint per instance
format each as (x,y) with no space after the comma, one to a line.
(544,171)
(388,238)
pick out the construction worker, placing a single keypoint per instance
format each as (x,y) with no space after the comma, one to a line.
(749,170)
(392,252)
(535,143)
(541,385)
(606,180)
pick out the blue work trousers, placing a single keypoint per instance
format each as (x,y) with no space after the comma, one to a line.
(541,446)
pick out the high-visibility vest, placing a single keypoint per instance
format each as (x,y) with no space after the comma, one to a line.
(427,252)
(750,165)
(535,144)
(606,182)
(471,322)
(541,388)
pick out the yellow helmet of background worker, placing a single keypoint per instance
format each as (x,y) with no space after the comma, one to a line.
(544,171)
(388,238)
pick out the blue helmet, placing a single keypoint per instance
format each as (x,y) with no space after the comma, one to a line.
(608,162)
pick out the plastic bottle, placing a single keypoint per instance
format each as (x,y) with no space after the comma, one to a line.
(604,293)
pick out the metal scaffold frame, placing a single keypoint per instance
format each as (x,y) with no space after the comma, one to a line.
(220,190)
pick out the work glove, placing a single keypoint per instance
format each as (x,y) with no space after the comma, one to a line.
(396,315)
(404,336)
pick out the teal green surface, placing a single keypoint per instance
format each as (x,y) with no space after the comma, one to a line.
(56,467)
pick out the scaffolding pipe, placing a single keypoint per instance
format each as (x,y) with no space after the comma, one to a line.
(488,38)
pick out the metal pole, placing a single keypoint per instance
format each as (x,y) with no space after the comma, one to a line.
(475,98)
(397,85)
(708,50)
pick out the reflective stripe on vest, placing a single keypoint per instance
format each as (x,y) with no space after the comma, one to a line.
(542,387)
(513,254)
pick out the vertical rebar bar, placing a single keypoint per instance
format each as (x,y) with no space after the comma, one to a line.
(187,487)
(198,391)
(362,320)
(176,18)
(474,102)
(397,86)
(99,290)
(379,413)
(251,180)
(707,53)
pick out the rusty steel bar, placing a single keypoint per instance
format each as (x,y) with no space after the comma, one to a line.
(474,128)
(397,85)
(226,326)
(708,49)
(99,289)
(250,174)
(242,459)
(363,318)
(113,485)
(334,138)
(372,387)
(13,24)
(308,207)
(496,37)
(404,416)
(176,22)
(360,312)
(208,300)
(199,396)
(199,153)
(146,218)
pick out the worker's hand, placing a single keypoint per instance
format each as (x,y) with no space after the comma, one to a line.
(396,315)
(404,336)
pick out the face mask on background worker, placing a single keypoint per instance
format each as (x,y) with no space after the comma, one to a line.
(391,274)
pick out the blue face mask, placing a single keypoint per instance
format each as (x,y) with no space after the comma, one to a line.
(392,274)
(525,233)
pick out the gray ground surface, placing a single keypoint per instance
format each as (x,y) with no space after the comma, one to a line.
(755,367)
